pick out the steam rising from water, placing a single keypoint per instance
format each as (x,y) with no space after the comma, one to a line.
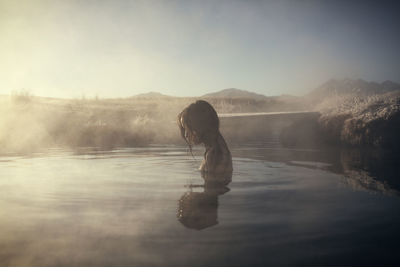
(31,123)
(118,208)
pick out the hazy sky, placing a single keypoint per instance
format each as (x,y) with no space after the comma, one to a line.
(189,48)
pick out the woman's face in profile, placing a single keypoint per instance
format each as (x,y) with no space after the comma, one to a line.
(190,134)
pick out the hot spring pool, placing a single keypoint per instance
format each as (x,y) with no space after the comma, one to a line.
(126,207)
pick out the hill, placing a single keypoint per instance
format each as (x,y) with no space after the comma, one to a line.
(350,87)
(234,93)
(155,95)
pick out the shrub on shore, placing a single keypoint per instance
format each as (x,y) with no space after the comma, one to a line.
(372,121)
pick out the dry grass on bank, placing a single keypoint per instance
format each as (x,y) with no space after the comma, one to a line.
(372,121)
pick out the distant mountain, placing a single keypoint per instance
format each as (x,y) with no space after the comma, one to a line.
(353,87)
(152,95)
(234,93)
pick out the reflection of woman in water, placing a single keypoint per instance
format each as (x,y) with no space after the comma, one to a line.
(199,210)
(199,123)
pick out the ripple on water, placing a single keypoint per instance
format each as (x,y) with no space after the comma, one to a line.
(121,208)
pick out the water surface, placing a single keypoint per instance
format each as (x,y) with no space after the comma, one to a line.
(149,207)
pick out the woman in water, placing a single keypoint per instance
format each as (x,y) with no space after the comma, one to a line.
(199,124)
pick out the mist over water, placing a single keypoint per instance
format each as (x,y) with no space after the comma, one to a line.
(123,207)
(31,124)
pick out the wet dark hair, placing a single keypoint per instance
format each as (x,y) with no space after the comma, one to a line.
(199,123)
